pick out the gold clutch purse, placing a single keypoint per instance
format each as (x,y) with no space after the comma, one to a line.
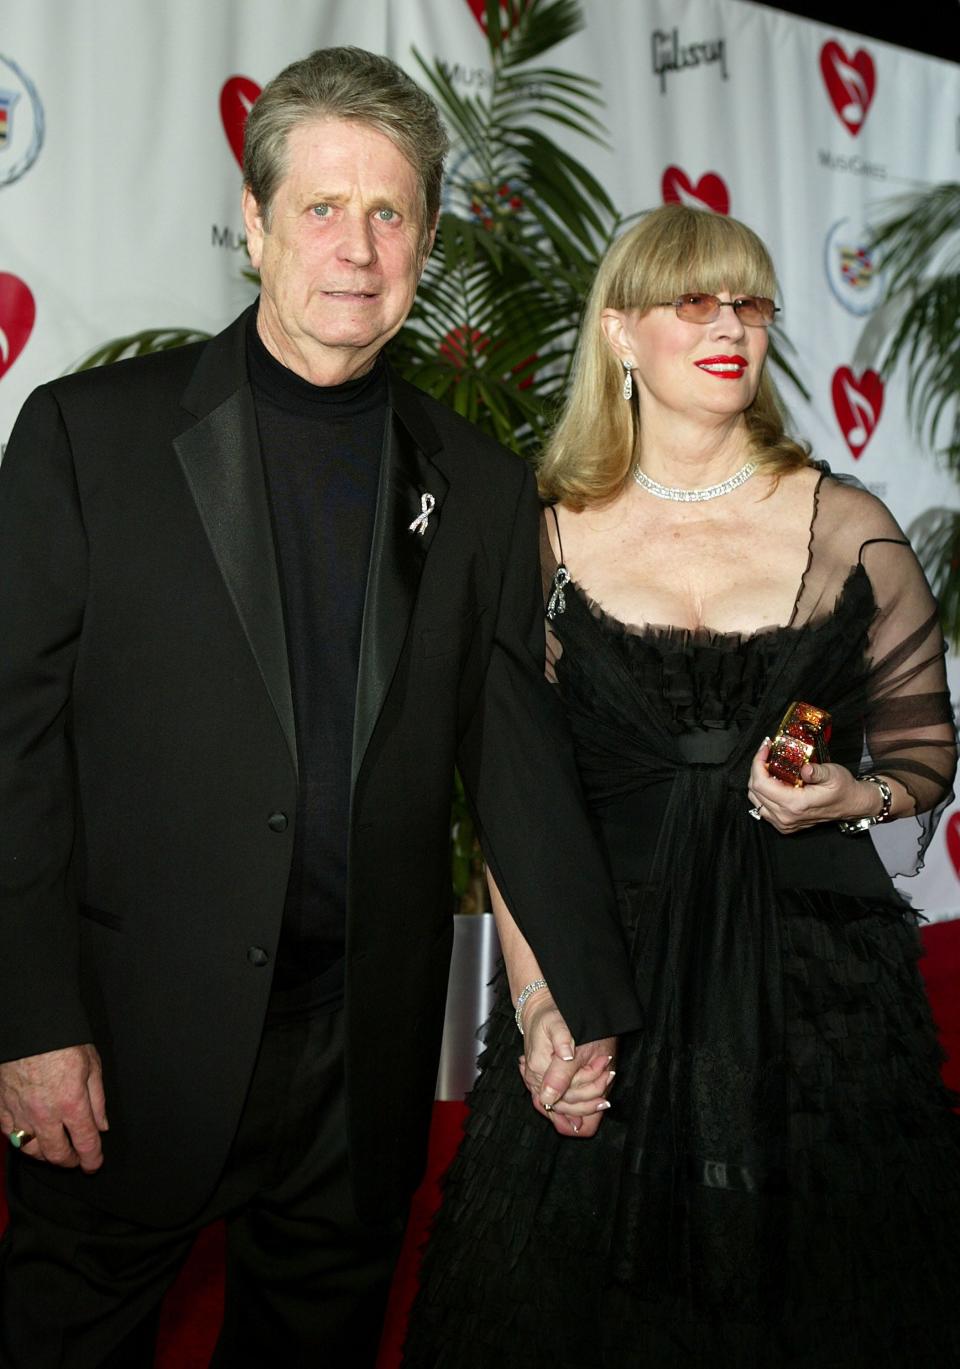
(802,736)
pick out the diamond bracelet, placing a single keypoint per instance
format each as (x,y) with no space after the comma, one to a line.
(851,826)
(526,992)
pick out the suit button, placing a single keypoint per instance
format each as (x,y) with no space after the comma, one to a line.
(257,955)
(277,822)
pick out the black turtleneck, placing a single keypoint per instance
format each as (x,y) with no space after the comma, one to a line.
(321,454)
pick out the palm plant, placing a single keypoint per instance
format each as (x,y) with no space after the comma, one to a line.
(138,344)
(916,328)
(493,327)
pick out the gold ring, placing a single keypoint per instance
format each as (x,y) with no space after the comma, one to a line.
(20,1138)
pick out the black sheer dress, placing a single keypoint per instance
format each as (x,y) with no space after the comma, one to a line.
(778,1181)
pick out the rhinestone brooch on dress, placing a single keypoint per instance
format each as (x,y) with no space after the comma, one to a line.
(694,496)
(557,603)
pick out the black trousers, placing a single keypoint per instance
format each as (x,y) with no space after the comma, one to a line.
(306,1281)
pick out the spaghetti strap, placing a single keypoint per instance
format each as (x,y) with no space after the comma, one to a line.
(556,524)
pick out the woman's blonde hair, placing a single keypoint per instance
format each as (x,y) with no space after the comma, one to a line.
(673,249)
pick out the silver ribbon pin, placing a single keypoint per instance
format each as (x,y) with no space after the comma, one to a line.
(557,603)
(427,506)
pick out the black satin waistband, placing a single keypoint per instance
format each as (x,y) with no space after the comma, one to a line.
(819,858)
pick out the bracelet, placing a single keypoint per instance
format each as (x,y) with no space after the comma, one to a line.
(526,992)
(851,826)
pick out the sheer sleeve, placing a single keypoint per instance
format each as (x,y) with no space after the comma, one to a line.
(892,712)
(909,726)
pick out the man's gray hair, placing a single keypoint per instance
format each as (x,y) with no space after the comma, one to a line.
(345,83)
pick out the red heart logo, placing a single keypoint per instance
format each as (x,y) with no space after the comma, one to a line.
(953,841)
(858,405)
(850,83)
(479,10)
(18,310)
(709,192)
(236,100)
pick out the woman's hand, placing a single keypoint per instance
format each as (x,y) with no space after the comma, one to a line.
(828,793)
(567,1083)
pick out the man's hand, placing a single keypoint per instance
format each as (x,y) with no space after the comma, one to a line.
(58,1099)
(568,1083)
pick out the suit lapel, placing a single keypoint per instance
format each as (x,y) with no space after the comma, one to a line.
(398,553)
(220,456)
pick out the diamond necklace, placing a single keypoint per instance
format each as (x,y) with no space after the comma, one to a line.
(694,496)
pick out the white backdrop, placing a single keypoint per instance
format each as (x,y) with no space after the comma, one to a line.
(119,188)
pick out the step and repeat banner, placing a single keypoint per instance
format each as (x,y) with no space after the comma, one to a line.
(121,126)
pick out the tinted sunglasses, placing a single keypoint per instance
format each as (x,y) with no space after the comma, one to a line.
(754,310)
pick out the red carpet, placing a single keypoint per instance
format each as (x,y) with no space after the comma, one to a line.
(193,1307)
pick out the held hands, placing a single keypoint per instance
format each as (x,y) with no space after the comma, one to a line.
(828,793)
(567,1083)
(57,1099)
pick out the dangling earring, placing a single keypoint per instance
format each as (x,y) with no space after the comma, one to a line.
(627,379)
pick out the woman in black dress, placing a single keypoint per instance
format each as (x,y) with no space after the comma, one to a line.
(777,1180)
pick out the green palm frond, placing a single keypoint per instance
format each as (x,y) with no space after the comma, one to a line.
(919,250)
(525,224)
(927,340)
(922,233)
(935,535)
(916,329)
(779,346)
(493,327)
(139,344)
(520,35)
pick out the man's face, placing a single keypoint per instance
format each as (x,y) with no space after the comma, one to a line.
(340,262)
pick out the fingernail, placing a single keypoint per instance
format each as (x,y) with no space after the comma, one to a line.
(611,1074)
(566,1057)
(602,1105)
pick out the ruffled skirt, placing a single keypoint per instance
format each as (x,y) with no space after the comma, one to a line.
(685,1244)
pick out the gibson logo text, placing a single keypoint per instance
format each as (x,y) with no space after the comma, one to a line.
(669,54)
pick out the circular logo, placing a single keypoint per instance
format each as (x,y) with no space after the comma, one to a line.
(851,267)
(21,122)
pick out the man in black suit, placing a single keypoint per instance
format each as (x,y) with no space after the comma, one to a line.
(257,598)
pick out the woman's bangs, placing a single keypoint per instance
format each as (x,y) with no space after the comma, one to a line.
(731,261)
(703,252)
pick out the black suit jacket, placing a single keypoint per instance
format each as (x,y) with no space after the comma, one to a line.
(148,765)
